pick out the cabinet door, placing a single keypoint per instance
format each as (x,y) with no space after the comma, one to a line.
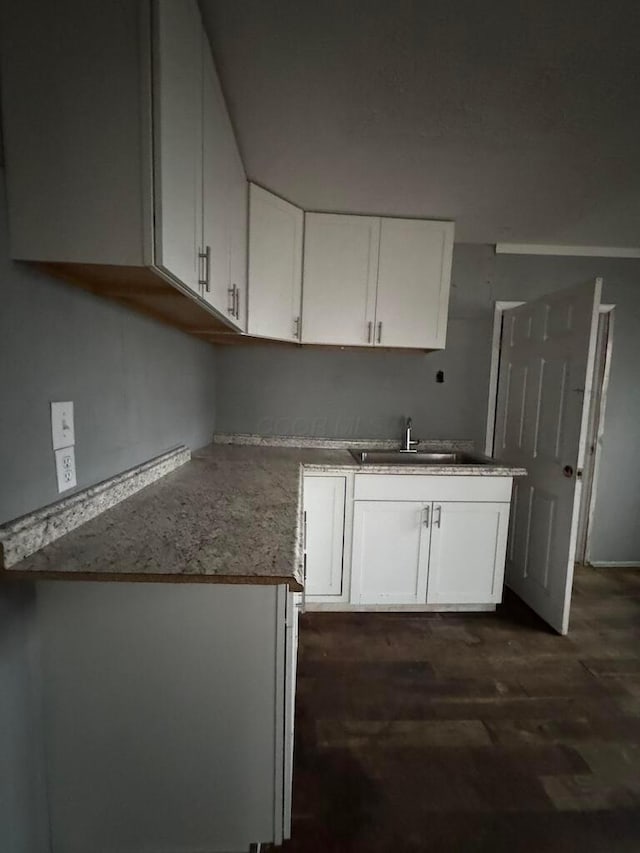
(390,552)
(178,139)
(414,274)
(324,506)
(216,154)
(339,280)
(224,202)
(238,239)
(275,266)
(468,545)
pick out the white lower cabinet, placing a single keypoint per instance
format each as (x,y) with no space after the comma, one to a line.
(324,512)
(430,541)
(170,712)
(433,552)
(390,555)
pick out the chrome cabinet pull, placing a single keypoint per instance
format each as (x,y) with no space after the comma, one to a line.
(237,302)
(427,511)
(380,332)
(369,331)
(204,268)
(304,531)
(232,293)
(438,522)
(296,328)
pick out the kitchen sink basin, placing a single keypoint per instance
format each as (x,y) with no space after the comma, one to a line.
(418,457)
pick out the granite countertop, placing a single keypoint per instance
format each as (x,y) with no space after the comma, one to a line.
(230,515)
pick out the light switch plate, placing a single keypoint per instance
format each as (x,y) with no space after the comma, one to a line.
(66,468)
(62,429)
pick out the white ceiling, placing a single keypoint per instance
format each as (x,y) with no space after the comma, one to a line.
(520,119)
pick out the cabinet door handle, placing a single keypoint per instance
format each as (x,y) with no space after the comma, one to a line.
(380,332)
(303,599)
(232,293)
(237,302)
(204,261)
(438,521)
(296,328)
(427,515)
(369,331)
(304,531)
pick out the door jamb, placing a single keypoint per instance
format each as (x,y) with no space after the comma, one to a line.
(499,309)
(599,431)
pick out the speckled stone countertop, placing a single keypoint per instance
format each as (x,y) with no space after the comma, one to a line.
(230,515)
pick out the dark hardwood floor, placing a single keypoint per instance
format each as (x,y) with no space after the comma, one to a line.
(474,732)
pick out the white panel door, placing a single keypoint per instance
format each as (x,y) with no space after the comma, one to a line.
(390,552)
(324,508)
(178,140)
(339,281)
(544,391)
(414,275)
(467,554)
(275,266)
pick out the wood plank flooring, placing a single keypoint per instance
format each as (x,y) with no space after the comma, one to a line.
(472,732)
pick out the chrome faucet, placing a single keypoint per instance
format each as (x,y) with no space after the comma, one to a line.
(408,441)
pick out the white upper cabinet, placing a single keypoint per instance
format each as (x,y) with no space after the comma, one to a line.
(123,169)
(376,281)
(414,273)
(340,271)
(275,266)
(178,138)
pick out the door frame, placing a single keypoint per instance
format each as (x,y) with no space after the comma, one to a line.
(588,488)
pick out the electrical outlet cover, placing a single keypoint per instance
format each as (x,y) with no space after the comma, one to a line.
(66,468)
(62,429)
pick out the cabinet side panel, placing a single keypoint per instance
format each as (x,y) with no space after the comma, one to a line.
(324,504)
(160,714)
(75,131)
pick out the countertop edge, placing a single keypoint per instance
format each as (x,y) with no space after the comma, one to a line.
(18,574)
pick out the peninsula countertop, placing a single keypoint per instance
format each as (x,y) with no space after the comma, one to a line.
(232,514)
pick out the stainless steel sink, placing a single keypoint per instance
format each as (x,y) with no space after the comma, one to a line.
(418,457)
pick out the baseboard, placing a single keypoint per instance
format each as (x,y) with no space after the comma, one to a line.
(618,564)
(344,607)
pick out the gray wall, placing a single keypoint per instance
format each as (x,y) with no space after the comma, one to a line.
(355,393)
(139,388)
(24,822)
